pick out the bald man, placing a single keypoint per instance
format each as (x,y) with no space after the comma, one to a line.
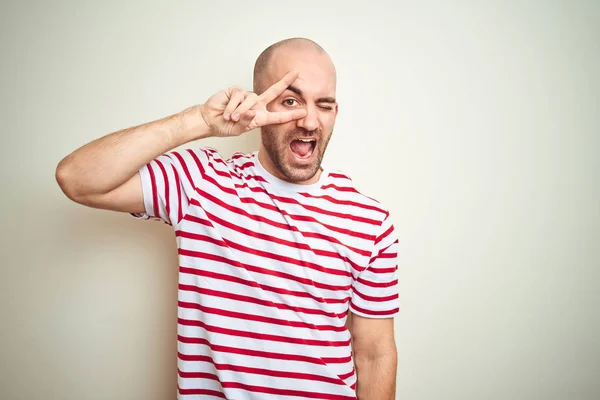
(287,273)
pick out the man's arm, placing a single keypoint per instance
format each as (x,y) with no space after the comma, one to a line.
(104,173)
(375,357)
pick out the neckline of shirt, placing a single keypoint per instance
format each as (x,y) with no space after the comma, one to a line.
(285,185)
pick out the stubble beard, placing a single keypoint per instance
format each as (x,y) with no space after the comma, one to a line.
(277,150)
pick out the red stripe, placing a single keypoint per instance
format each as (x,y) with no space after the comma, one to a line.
(193,154)
(228,175)
(198,375)
(185,168)
(258,218)
(340,189)
(268,288)
(213,154)
(273,239)
(263,336)
(344,202)
(371,312)
(385,249)
(198,220)
(200,392)
(347,375)
(167,194)
(257,178)
(382,256)
(252,370)
(259,318)
(377,284)
(211,150)
(179,200)
(249,299)
(375,298)
(260,270)
(337,175)
(245,165)
(263,354)
(384,234)
(200,237)
(383,270)
(154,191)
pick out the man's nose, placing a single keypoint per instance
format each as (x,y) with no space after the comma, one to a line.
(311,121)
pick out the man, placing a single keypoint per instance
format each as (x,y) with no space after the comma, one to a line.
(274,250)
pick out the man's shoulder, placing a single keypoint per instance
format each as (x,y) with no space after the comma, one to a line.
(341,183)
(210,154)
(235,158)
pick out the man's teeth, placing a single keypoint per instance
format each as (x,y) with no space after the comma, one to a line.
(306,140)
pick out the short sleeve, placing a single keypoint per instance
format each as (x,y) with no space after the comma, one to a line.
(375,290)
(168,184)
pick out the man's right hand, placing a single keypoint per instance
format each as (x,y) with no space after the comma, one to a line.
(234,111)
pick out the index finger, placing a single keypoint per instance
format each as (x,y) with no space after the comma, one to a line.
(262,118)
(277,88)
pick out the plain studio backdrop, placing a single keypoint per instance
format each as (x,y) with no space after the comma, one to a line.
(476,123)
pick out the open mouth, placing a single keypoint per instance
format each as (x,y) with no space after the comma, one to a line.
(303,148)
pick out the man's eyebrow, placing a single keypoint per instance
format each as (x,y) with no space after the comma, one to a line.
(320,100)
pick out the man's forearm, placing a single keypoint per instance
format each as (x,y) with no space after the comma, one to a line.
(376,377)
(108,162)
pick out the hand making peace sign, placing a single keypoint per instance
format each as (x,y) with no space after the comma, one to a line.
(234,111)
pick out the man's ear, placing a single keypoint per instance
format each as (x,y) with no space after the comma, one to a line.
(337,108)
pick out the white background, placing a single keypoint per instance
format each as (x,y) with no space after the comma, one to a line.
(476,123)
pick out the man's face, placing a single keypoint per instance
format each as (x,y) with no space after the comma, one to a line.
(296,148)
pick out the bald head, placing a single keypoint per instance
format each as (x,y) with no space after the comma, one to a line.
(314,90)
(284,48)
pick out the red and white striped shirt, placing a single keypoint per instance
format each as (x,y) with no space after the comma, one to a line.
(267,273)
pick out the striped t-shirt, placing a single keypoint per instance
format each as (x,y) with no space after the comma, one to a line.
(267,273)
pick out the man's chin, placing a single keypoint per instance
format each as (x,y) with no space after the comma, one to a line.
(300,173)
(293,168)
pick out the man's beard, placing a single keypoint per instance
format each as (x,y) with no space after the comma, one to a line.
(277,151)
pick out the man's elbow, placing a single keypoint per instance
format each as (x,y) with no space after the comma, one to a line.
(66,181)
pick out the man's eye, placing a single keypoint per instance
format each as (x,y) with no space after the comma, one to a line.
(289,102)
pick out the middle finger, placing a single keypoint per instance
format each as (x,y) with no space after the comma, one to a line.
(248,103)
(279,87)
(237,96)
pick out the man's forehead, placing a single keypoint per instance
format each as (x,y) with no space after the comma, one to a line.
(312,87)
(315,75)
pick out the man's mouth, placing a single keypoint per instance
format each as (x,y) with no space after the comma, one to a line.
(303,148)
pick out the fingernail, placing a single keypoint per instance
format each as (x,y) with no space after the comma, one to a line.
(226,116)
(236,116)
